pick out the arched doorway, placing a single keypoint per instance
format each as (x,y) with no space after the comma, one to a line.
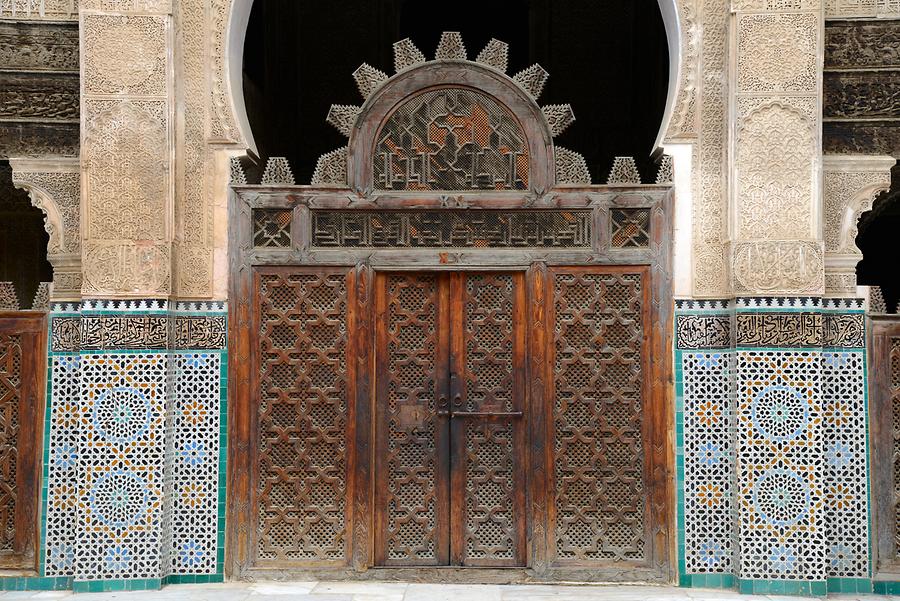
(442,346)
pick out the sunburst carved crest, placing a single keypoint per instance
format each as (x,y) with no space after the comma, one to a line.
(452,48)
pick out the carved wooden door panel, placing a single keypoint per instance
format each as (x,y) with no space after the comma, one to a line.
(599,363)
(303,416)
(412,509)
(450,474)
(22,360)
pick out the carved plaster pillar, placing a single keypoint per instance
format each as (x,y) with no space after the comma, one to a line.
(776,250)
(54,187)
(127,147)
(128,376)
(776,111)
(852,182)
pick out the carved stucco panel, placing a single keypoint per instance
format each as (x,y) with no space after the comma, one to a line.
(58,195)
(844,9)
(780,267)
(684,121)
(124,54)
(54,187)
(774,171)
(126,154)
(710,271)
(146,6)
(193,205)
(851,185)
(126,268)
(777,52)
(51,10)
(222,122)
(774,5)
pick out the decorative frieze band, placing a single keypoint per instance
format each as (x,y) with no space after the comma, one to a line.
(199,332)
(138,332)
(780,330)
(846,330)
(703,331)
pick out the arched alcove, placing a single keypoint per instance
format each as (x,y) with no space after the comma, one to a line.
(23,240)
(877,239)
(610,60)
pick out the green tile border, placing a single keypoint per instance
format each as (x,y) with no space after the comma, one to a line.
(886,587)
(193,579)
(722,581)
(36,583)
(849,585)
(801,588)
(105,586)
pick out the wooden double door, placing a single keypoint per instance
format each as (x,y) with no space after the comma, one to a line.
(450,419)
(490,419)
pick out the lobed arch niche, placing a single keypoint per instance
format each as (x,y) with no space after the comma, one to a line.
(672,102)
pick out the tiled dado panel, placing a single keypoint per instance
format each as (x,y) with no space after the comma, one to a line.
(772,445)
(134,478)
(845,431)
(705,443)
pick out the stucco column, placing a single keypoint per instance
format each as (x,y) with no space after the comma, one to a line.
(125,447)
(776,250)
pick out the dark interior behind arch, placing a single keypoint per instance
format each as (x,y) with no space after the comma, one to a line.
(608,59)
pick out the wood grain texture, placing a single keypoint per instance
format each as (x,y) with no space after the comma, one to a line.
(23,352)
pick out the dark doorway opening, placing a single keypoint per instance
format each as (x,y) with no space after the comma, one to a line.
(608,59)
(23,240)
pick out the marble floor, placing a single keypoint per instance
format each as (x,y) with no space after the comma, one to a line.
(398,591)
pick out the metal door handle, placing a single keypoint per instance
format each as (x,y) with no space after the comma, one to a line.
(486,414)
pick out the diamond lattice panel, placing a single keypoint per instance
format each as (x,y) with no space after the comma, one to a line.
(302,417)
(451,139)
(597,417)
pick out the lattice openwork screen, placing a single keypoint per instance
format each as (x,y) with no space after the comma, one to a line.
(10,397)
(452,229)
(491,525)
(630,228)
(597,417)
(272,228)
(414,485)
(302,453)
(895,407)
(451,139)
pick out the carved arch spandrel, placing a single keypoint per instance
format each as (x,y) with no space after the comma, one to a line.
(852,183)
(54,187)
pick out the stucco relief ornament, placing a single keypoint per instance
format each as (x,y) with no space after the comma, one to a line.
(331,168)
(876,301)
(624,171)
(124,54)
(123,145)
(779,267)
(8,299)
(777,53)
(775,190)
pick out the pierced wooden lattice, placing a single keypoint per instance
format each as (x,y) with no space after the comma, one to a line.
(597,418)
(10,393)
(895,405)
(492,516)
(302,453)
(412,479)
(451,139)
